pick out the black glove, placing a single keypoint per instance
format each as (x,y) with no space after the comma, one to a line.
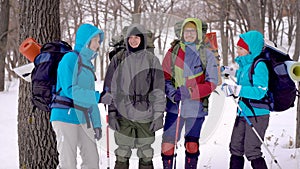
(105,98)
(157,123)
(113,121)
(98,133)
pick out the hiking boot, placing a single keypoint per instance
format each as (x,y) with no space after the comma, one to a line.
(145,165)
(259,163)
(236,162)
(121,165)
(191,162)
(167,162)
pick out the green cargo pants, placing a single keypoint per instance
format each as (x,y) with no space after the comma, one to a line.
(134,135)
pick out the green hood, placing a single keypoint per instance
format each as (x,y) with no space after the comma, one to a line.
(198,24)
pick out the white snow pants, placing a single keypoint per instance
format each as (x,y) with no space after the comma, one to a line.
(69,137)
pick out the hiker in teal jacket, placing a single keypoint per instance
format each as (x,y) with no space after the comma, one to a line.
(76,81)
(243,140)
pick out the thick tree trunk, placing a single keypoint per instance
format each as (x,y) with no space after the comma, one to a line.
(296,58)
(37,146)
(4,15)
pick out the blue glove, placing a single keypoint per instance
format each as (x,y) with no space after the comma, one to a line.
(231,90)
(98,133)
(181,93)
(185,93)
(177,96)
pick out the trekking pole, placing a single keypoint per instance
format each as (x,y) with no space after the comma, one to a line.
(256,133)
(107,140)
(176,135)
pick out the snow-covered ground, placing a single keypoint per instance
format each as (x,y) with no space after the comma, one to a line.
(280,138)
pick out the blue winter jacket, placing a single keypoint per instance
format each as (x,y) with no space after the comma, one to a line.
(78,83)
(189,72)
(255,42)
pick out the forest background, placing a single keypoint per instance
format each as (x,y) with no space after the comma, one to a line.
(45,20)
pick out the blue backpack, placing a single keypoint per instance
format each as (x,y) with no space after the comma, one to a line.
(44,74)
(282,90)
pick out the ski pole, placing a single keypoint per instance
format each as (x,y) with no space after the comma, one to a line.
(176,135)
(256,133)
(107,140)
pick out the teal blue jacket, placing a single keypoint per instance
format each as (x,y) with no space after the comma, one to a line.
(259,89)
(76,83)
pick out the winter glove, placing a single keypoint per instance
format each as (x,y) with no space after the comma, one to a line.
(181,93)
(157,123)
(113,121)
(177,96)
(185,93)
(98,133)
(228,71)
(231,90)
(105,98)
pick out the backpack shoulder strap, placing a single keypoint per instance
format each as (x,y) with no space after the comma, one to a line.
(202,52)
(80,65)
(174,53)
(251,71)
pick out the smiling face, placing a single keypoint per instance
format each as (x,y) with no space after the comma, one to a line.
(95,43)
(190,34)
(134,41)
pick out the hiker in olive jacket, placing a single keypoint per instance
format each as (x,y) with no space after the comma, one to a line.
(76,82)
(190,76)
(243,140)
(136,81)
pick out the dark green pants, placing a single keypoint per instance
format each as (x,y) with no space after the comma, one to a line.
(134,135)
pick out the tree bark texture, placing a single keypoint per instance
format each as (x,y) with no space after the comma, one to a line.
(296,58)
(37,145)
(4,15)
(254,16)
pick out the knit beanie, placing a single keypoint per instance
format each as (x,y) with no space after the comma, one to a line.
(190,25)
(241,43)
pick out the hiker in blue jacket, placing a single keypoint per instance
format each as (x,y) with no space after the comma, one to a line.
(76,81)
(243,140)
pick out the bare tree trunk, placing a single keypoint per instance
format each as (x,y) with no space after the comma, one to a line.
(263,12)
(137,11)
(255,21)
(298,121)
(296,58)
(271,15)
(297,44)
(103,52)
(37,145)
(223,30)
(4,15)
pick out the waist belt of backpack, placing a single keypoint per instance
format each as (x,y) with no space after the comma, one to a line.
(138,98)
(264,103)
(66,103)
